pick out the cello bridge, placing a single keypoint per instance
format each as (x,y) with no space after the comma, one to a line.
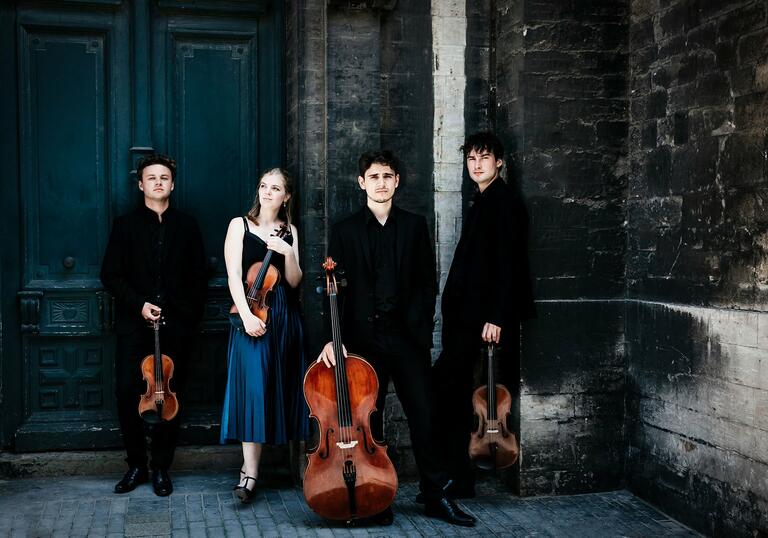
(492,431)
(342,445)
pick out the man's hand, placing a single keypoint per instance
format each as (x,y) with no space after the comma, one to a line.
(150,312)
(491,333)
(253,325)
(327,356)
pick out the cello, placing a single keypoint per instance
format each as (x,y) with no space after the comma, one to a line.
(260,280)
(349,475)
(159,403)
(492,445)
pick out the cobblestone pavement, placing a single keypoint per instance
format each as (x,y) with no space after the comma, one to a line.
(203,505)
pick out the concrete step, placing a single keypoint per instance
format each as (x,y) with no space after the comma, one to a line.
(104,462)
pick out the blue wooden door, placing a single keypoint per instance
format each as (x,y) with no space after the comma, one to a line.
(94,85)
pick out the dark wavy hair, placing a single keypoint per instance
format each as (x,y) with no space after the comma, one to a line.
(284,213)
(156,158)
(483,141)
(383,157)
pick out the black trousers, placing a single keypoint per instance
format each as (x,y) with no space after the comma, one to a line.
(395,356)
(453,379)
(130,385)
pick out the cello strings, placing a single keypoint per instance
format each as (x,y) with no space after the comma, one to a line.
(342,371)
(340,385)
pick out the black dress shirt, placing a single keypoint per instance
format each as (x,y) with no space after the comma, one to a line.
(160,262)
(382,239)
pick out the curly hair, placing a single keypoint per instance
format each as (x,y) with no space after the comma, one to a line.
(156,158)
(383,157)
(483,141)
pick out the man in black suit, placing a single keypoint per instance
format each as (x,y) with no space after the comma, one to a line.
(486,296)
(388,310)
(154,266)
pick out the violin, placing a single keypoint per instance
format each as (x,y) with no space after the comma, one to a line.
(260,280)
(349,474)
(159,403)
(492,445)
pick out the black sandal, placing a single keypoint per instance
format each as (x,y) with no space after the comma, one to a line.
(243,493)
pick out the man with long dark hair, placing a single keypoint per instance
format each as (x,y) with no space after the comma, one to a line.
(486,296)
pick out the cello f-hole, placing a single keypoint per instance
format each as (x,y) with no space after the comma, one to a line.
(369,450)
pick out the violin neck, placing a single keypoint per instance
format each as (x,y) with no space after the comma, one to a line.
(342,388)
(491,385)
(158,356)
(262,271)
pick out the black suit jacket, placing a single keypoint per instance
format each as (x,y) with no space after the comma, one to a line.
(489,279)
(416,278)
(128,268)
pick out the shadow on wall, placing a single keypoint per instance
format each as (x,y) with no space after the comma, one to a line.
(697,414)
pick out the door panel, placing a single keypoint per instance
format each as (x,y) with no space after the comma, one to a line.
(72,140)
(65,119)
(210,121)
(208,112)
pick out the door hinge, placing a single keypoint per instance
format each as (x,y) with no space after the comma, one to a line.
(29,307)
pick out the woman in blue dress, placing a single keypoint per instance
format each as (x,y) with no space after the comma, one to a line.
(264,402)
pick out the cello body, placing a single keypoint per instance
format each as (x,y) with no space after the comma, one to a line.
(325,489)
(492,445)
(349,475)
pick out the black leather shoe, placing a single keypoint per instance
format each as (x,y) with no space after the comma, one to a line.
(446,509)
(134,477)
(161,482)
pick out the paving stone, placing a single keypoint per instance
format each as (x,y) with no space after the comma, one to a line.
(203,506)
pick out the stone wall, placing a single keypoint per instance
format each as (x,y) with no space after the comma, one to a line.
(559,76)
(358,79)
(696,266)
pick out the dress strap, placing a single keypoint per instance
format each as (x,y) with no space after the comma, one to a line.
(245,224)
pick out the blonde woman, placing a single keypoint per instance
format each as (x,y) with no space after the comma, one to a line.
(263,402)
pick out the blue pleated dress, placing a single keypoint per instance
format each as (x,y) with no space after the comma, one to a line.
(264,399)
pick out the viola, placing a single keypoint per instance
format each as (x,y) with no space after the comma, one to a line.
(492,445)
(159,403)
(349,474)
(259,281)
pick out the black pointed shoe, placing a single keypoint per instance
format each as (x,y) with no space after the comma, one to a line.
(134,477)
(446,509)
(161,482)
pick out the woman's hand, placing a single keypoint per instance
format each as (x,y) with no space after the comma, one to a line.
(252,325)
(279,245)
